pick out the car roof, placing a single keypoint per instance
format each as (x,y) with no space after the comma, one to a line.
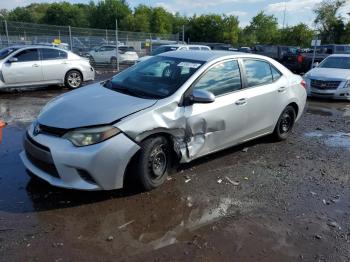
(206,56)
(36,46)
(181,45)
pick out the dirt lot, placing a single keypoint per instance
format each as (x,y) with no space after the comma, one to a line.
(262,201)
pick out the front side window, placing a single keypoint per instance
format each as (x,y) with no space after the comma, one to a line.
(257,72)
(222,78)
(157,77)
(52,54)
(28,55)
(194,48)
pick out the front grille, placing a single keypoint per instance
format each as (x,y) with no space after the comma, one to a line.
(52,130)
(40,156)
(323,85)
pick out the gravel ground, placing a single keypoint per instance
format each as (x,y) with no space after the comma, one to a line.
(261,201)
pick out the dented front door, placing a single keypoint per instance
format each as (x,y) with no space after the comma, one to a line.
(211,127)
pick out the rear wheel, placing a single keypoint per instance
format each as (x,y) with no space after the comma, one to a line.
(74,79)
(153,162)
(285,123)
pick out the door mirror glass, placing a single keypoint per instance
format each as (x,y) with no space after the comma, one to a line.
(202,97)
(13,59)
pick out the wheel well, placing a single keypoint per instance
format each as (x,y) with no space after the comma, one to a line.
(74,69)
(296,108)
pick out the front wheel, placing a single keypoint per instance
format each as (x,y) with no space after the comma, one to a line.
(153,162)
(285,124)
(73,79)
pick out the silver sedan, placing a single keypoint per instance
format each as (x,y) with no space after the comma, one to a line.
(26,66)
(171,108)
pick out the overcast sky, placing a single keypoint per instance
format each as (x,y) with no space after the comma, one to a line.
(296,10)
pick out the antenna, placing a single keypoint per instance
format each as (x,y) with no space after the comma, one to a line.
(284,13)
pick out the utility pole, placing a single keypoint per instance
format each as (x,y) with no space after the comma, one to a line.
(117,41)
(183,34)
(284,13)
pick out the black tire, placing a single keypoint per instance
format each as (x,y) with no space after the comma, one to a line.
(153,163)
(114,62)
(285,124)
(73,79)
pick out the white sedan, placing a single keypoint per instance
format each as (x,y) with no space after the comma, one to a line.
(26,66)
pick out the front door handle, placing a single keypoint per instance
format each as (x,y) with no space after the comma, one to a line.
(282,89)
(35,65)
(241,102)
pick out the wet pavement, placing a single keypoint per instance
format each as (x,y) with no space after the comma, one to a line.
(286,201)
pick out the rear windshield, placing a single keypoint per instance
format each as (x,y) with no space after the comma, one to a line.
(126,48)
(336,62)
(6,51)
(163,49)
(155,78)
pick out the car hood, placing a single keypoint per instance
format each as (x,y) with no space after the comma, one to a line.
(89,106)
(329,73)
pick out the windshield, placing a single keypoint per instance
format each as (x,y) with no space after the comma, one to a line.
(6,51)
(157,77)
(163,49)
(336,62)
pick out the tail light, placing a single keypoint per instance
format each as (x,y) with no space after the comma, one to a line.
(303,83)
(300,59)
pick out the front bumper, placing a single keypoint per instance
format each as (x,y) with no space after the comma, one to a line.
(96,167)
(89,74)
(340,93)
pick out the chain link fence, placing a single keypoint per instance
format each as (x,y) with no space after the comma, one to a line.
(84,41)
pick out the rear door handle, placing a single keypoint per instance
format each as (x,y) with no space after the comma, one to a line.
(282,89)
(35,65)
(241,102)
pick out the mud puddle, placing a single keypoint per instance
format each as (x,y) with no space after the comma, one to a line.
(336,140)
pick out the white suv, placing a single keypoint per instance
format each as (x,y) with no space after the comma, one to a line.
(106,54)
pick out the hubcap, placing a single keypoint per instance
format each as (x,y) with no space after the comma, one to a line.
(74,80)
(286,123)
(158,161)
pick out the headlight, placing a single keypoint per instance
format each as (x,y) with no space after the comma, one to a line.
(90,136)
(347,84)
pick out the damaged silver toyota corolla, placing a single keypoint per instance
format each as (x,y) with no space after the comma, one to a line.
(174,107)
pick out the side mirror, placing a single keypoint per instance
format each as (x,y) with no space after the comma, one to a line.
(12,59)
(201,97)
(316,64)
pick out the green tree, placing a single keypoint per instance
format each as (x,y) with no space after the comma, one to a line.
(329,24)
(161,21)
(65,14)
(142,18)
(263,29)
(231,29)
(21,14)
(298,35)
(205,28)
(107,11)
(345,39)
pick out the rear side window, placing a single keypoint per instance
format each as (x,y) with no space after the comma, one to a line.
(205,48)
(52,54)
(275,73)
(257,72)
(220,79)
(194,48)
(28,55)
